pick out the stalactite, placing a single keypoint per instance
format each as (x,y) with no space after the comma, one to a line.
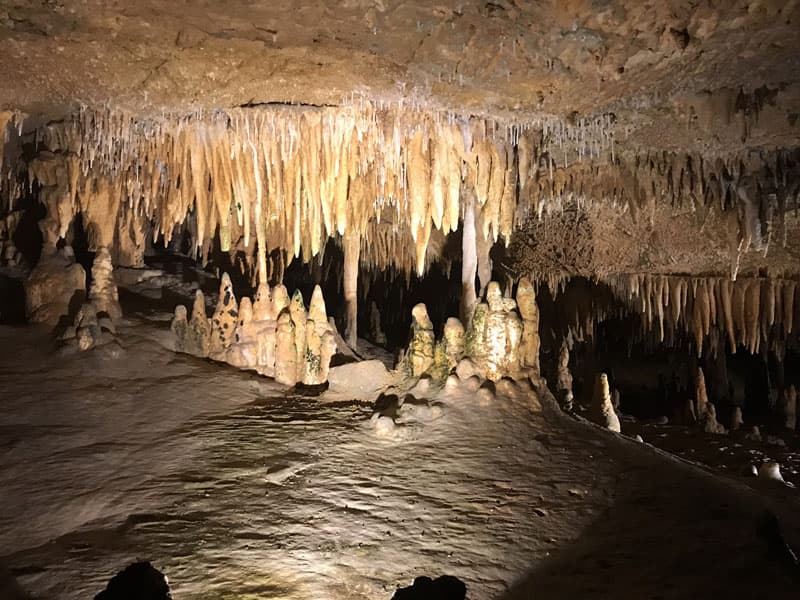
(750,312)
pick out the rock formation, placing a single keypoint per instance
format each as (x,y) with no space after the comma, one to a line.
(602,411)
(272,336)
(103,291)
(564,378)
(420,348)
(55,288)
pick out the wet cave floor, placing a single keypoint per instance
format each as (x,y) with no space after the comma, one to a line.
(237,489)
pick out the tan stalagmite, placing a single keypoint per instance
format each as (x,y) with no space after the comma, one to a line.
(198,336)
(454,341)
(224,319)
(180,328)
(564,377)
(529,311)
(420,349)
(103,292)
(602,410)
(280,300)
(285,350)
(700,395)
(297,310)
(319,339)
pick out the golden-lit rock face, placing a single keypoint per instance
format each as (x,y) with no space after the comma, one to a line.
(675,72)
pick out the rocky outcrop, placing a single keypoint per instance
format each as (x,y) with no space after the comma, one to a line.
(55,288)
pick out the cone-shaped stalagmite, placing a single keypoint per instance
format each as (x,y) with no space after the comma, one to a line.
(529,346)
(224,319)
(420,349)
(602,410)
(103,292)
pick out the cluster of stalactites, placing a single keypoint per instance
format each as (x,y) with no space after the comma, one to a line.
(288,177)
(10,132)
(273,335)
(756,313)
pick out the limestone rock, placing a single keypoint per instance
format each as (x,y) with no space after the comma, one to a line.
(454,341)
(320,341)
(710,423)
(466,368)
(297,310)
(420,350)
(262,307)
(285,350)
(180,328)
(198,335)
(104,291)
(529,311)
(54,289)
(602,411)
(224,319)
(564,377)
(359,379)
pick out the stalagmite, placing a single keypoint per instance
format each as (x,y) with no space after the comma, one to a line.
(789,406)
(352,246)
(454,342)
(224,319)
(602,411)
(297,310)
(180,328)
(529,311)
(320,343)
(564,378)
(103,292)
(285,350)
(710,423)
(198,337)
(700,395)
(420,349)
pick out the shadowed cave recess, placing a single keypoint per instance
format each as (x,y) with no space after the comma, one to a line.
(472,291)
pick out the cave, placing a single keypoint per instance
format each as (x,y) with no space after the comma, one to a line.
(374,299)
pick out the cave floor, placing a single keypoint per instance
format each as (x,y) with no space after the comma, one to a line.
(237,489)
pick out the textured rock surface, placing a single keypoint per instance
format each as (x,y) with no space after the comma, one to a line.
(103,291)
(672,61)
(55,288)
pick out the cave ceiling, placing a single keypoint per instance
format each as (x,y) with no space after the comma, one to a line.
(674,73)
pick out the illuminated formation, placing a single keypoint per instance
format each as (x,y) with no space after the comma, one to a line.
(272,336)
